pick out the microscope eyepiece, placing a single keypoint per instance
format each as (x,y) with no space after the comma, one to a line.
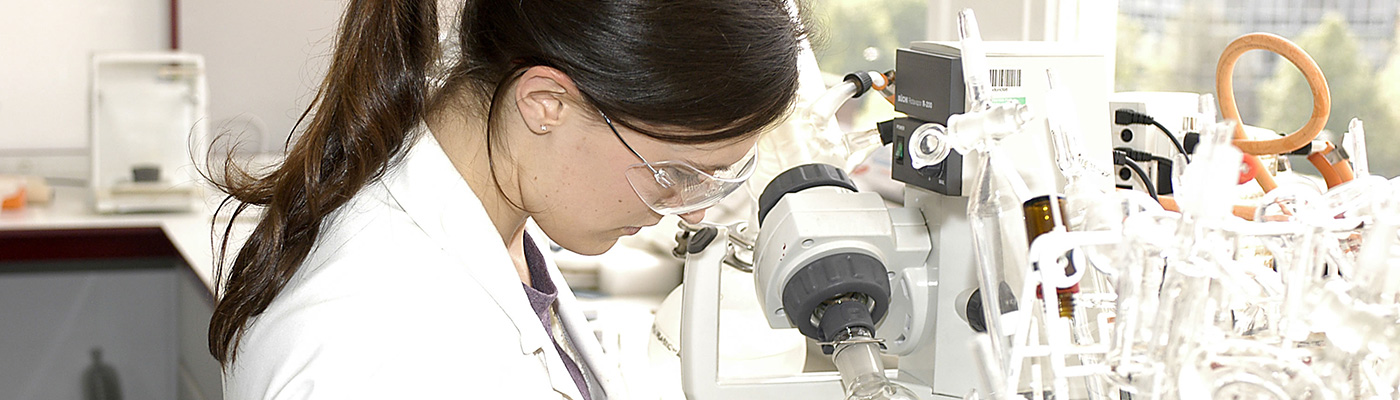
(797,179)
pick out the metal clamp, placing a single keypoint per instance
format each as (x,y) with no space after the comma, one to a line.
(740,244)
(858,340)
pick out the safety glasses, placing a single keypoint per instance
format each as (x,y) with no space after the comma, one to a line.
(677,187)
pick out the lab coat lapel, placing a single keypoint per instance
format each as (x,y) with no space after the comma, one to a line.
(603,367)
(441,203)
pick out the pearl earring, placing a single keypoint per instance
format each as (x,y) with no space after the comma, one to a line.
(544,127)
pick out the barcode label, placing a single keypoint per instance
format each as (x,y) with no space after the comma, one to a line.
(1006,78)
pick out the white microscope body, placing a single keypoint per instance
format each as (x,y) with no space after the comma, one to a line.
(923,251)
(822,222)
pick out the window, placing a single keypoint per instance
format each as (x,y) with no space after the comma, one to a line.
(1165,45)
(1174,45)
(859,35)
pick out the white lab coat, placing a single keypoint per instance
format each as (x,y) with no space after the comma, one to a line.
(409,294)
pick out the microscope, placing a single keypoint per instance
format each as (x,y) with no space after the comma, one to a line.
(870,282)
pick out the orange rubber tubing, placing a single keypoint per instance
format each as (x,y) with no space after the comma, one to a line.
(1319,160)
(1344,172)
(1333,173)
(1324,168)
(1224,86)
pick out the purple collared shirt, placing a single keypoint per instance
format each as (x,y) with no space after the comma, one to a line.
(542,294)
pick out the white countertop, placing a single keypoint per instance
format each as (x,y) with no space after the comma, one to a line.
(622,323)
(190,232)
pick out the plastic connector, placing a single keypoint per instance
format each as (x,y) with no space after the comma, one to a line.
(1164,166)
(863,82)
(1134,154)
(886,129)
(1190,140)
(1127,116)
(1121,157)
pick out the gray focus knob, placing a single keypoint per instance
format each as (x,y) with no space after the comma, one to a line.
(832,277)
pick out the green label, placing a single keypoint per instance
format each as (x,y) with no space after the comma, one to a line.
(1017,100)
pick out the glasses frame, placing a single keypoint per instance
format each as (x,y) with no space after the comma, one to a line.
(661,176)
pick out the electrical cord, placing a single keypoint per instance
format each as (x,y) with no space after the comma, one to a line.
(1128,116)
(1164,167)
(1129,157)
(1121,157)
(1225,88)
(1136,155)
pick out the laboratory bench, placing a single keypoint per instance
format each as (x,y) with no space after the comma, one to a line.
(93,304)
(68,229)
(138,288)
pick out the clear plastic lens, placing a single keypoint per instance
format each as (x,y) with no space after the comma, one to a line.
(672,187)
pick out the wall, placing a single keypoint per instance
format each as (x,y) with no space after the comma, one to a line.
(47,46)
(45,50)
(265,59)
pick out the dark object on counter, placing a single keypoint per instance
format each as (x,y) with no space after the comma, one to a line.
(100,380)
(145,173)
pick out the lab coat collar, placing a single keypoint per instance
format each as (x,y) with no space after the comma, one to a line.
(429,189)
(439,201)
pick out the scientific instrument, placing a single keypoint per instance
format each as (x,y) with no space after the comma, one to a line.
(148,126)
(860,277)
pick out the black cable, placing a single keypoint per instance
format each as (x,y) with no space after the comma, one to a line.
(1142,176)
(1175,142)
(1125,116)
(1136,155)
(1164,166)
(1164,175)
(1121,158)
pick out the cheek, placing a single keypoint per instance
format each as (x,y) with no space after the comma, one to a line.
(595,195)
(616,199)
(586,209)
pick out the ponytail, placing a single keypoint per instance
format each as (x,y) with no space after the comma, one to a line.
(375,92)
(719,69)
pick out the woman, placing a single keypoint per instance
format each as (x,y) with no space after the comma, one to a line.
(391,260)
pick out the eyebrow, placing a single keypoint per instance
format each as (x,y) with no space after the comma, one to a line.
(706,167)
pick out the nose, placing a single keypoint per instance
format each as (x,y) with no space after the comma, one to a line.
(693,217)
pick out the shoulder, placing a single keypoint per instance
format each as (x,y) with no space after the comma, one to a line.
(401,333)
(371,265)
(376,311)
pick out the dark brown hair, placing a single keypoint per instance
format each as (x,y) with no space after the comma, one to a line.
(724,68)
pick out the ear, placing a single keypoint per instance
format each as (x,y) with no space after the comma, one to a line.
(539,94)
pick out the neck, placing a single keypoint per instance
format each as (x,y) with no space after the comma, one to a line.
(462,136)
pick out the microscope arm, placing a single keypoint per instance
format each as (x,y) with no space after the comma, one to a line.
(700,337)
